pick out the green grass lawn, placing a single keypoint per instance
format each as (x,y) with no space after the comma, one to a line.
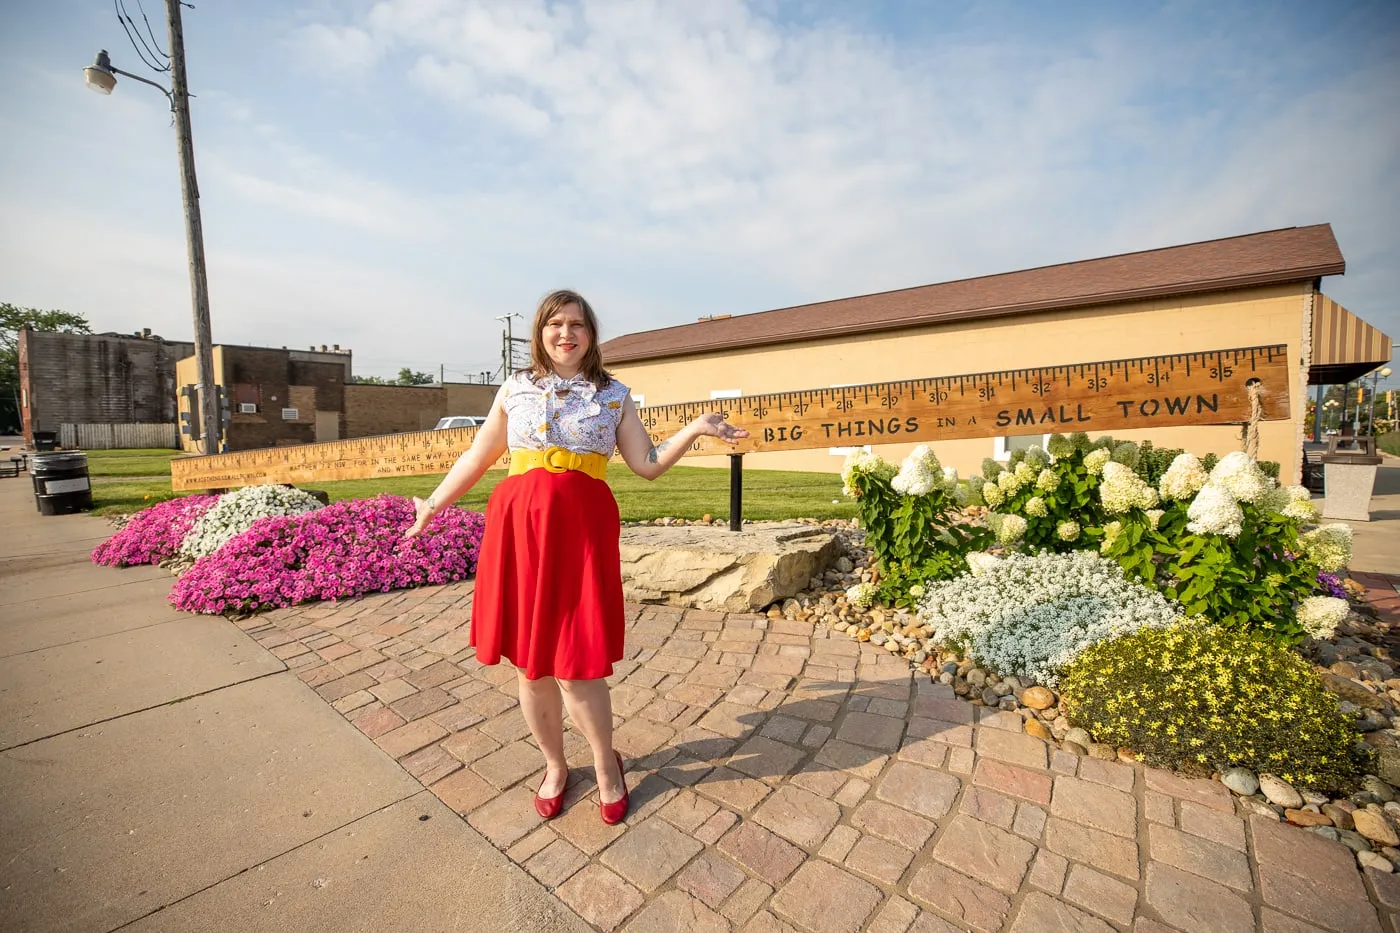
(130,462)
(684,492)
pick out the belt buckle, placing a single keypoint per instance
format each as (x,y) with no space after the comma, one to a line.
(559,460)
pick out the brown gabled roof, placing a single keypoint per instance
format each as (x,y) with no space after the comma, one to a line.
(1293,254)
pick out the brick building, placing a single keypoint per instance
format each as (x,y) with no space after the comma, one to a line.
(86,379)
(275,397)
(283,397)
(376,409)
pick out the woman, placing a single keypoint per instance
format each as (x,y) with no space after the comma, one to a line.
(549,584)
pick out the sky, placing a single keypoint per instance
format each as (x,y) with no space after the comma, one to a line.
(392,176)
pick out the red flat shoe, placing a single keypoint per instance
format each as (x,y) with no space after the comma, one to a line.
(616,811)
(549,807)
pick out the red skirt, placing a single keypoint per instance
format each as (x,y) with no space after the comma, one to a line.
(548,578)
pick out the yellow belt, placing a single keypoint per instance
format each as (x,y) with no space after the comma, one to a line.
(557,460)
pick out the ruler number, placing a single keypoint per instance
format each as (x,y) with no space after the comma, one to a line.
(1158,378)
(1098,383)
(889,401)
(800,408)
(938,395)
(1222,371)
(986,392)
(1040,388)
(845,404)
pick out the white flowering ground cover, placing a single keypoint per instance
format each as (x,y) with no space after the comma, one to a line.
(1032,615)
(235,513)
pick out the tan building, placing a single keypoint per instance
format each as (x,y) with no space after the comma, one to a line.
(1260,289)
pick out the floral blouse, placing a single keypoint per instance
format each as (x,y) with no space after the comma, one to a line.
(569,413)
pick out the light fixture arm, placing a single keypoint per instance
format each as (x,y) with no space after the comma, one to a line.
(155,84)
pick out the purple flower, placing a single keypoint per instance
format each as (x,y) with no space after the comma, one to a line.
(346,549)
(1330,584)
(154,534)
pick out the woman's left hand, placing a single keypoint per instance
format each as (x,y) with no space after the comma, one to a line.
(714,425)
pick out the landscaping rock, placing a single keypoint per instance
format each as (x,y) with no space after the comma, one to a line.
(1260,808)
(1374,785)
(1375,827)
(1280,792)
(1241,780)
(1079,737)
(1306,818)
(1075,748)
(1103,752)
(703,567)
(1038,729)
(1351,691)
(1373,860)
(1037,698)
(1340,818)
(1353,841)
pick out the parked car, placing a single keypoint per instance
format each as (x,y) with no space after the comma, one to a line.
(459,421)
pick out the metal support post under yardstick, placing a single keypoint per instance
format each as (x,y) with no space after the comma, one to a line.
(736,492)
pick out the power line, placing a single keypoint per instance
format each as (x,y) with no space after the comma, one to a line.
(154,42)
(138,43)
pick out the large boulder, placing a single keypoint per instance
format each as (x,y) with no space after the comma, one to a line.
(706,567)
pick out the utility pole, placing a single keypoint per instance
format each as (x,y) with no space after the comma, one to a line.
(211,419)
(508,348)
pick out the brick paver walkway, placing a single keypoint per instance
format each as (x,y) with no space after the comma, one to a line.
(782,779)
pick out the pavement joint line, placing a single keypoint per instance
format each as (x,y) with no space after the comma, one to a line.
(272,858)
(64,644)
(145,709)
(95,589)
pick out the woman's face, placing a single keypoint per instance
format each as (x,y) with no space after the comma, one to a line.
(566,339)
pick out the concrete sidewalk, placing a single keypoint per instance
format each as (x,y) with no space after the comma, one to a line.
(162,771)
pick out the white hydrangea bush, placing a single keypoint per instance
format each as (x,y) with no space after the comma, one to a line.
(1032,615)
(1329,546)
(235,513)
(1320,615)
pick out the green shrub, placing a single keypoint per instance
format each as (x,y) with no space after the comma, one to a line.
(1197,696)
(912,521)
(1390,443)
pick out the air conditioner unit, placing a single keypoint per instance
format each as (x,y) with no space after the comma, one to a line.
(247,408)
(289,414)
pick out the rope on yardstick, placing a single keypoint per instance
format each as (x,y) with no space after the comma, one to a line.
(1249,434)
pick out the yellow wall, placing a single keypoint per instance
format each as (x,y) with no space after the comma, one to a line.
(1239,318)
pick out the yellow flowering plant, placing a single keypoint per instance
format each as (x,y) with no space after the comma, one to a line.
(1201,697)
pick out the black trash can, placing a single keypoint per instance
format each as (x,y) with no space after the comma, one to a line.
(61,484)
(45,440)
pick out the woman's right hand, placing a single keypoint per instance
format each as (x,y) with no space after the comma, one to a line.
(423,510)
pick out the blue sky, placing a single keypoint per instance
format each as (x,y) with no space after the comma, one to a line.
(391,176)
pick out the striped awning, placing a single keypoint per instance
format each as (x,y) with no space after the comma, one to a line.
(1344,347)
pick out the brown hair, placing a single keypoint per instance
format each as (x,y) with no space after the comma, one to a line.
(592,366)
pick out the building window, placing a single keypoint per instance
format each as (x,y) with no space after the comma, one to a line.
(289,414)
(1004,445)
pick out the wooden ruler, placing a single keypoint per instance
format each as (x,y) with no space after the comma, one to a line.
(1210,387)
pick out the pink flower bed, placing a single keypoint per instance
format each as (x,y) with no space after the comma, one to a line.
(345,549)
(154,534)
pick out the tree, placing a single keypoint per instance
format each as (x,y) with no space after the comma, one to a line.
(368,380)
(408,377)
(12,320)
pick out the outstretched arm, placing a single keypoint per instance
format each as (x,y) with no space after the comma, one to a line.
(650,460)
(487,447)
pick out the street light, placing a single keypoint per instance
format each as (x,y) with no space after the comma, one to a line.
(1330,404)
(101,76)
(1376,377)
